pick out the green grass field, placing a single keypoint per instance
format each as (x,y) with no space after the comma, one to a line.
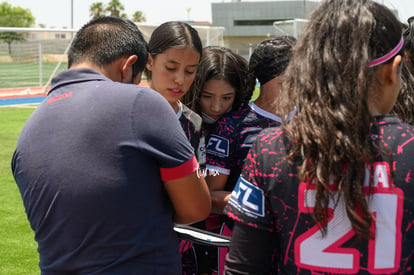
(18,250)
(26,74)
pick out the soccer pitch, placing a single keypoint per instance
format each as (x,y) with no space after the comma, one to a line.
(27,74)
(18,250)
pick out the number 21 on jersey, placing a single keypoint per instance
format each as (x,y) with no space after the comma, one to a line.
(325,254)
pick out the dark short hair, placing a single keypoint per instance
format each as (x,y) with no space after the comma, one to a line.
(106,39)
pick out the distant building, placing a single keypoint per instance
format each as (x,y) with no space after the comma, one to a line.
(248,23)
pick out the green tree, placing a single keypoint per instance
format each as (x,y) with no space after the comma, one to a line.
(138,17)
(14,17)
(115,8)
(96,10)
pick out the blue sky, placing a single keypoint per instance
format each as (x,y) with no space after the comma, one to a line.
(57,13)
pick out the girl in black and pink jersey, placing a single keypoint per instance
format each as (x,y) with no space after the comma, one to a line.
(235,132)
(332,191)
(220,86)
(175,50)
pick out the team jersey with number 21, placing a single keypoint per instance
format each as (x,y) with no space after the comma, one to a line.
(269,197)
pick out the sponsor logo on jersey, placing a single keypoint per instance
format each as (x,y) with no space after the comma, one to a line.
(248,198)
(218,146)
(59,97)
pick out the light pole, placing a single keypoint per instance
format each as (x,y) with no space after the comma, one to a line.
(71,14)
(71,17)
(188,10)
(304,8)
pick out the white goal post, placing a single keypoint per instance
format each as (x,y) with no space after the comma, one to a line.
(32,63)
(292,27)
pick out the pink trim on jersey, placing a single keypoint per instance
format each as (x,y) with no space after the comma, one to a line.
(386,203)
(180,171)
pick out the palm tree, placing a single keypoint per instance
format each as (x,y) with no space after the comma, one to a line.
(138,17)
(96,10)
(114,8)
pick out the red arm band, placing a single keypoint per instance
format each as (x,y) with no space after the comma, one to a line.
(180,171)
